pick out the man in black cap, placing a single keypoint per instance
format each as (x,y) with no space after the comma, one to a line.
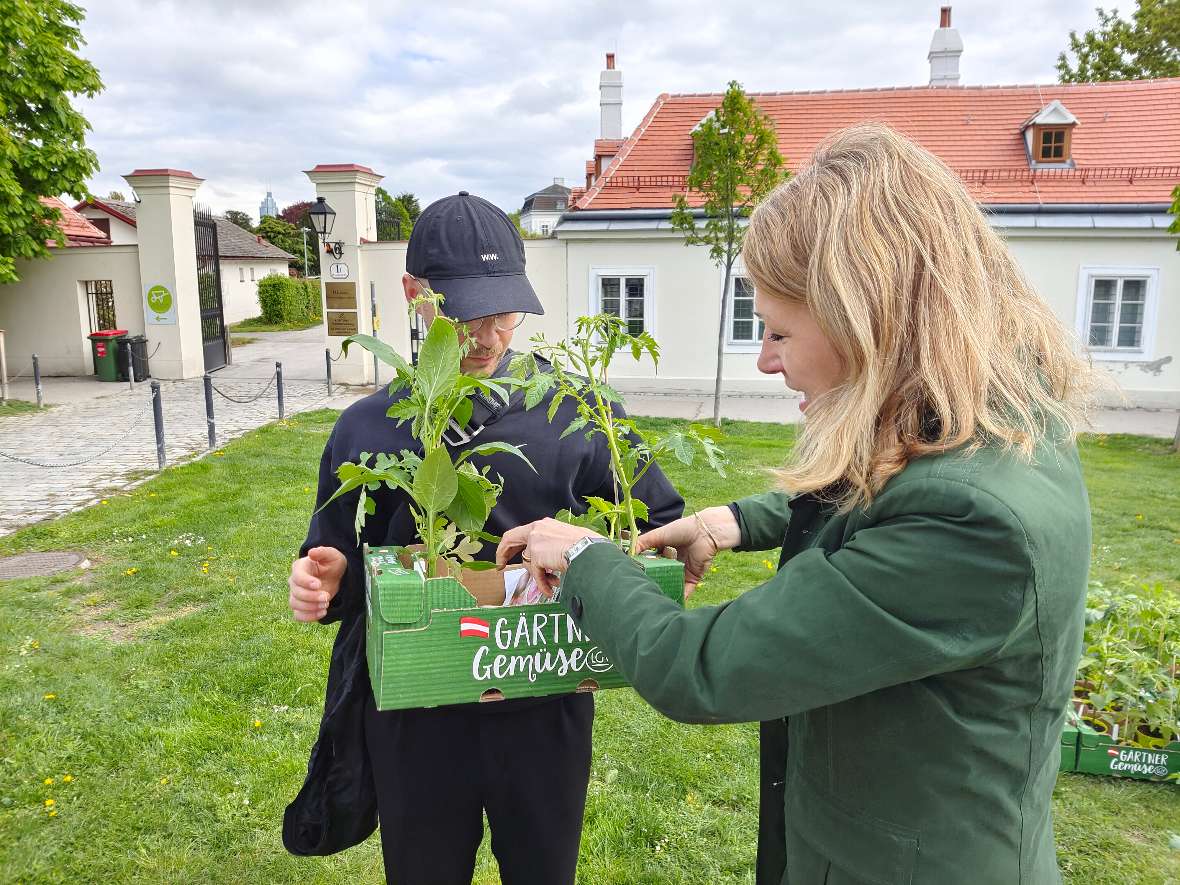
(436,772)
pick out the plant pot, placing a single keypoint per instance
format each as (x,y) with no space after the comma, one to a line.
(1150,738)
(1098,726)
(1098,753)
(447,640)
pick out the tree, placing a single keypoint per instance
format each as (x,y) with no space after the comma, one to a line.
(1145,47)
(410,203)
(285,236)
(116,195)
(43,149)
(241,219)
(392,211)
(296,212)
(736,163)
(514,217)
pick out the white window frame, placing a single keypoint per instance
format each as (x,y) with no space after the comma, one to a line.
(731,345)
(241,273)
(594,301)
(252,274)
(1086,276)
(544,230)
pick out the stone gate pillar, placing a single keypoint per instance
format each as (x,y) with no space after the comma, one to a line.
(351,191)
(168,270)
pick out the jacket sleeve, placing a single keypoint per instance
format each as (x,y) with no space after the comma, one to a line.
(333,526)
(763,520)
(935,581)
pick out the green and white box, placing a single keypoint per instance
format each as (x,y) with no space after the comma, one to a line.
(447,640)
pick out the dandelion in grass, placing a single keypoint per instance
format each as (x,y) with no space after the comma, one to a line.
(1139,517)
(258,723)
(48,781)
(219,454)
(131,571)
(151,494)
(104,501)
(69,778)
(163,781)
(173,553)
(769,565)
(49,696)
(49,803)
(53,812)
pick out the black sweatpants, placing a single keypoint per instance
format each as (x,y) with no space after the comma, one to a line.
(436,771)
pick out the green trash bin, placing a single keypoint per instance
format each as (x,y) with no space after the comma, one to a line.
(104,348)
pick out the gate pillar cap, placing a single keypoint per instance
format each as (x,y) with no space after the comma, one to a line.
(162,180)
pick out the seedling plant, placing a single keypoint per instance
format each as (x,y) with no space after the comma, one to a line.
(579,372)
(450,498)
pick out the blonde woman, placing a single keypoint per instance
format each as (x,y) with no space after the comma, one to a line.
(912,657)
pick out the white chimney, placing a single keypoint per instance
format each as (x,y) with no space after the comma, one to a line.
(945,49)
(610,100)
(559,180)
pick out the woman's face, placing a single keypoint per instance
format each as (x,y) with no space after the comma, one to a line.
(793,346)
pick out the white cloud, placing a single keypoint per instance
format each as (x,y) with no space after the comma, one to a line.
(493,98)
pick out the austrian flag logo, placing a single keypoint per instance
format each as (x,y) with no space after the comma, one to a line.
(476,627)
(1112,752)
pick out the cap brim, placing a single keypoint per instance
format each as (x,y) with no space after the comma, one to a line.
(468,298)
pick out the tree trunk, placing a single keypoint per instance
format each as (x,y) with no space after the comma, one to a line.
(721,347)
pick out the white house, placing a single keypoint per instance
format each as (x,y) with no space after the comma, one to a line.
(1077,178)
(245,258)
(543,209)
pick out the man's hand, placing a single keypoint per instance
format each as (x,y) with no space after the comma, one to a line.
(697,539)
(541,545)
(314,580)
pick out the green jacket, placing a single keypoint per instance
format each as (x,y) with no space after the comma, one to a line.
(922,652)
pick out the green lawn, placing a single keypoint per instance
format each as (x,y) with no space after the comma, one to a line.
(170,684)
(16,407)
(256,324)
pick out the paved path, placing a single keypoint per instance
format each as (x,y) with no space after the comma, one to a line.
(101,435)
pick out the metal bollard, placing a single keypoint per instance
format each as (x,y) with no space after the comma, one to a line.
(209,411)
(158,419)
(328,366)
(37,380)
(279,386)
(130,373)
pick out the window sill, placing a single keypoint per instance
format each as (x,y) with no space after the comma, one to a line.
(1118,356)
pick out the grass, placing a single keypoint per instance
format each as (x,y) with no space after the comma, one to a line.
(256,324)
(239,340)
(181,699)
(16,407)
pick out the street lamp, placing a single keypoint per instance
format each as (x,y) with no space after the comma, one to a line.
(322,218)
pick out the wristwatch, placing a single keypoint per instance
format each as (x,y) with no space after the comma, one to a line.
(578,546)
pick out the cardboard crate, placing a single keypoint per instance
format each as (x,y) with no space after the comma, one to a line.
(438,641)
(1099,754)
(1069,742)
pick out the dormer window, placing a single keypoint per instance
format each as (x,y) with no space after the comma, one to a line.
(1052,144)
(1048,136)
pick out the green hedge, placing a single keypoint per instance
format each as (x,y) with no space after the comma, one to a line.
(288,300)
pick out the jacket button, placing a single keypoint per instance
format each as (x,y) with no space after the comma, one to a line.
(576,607)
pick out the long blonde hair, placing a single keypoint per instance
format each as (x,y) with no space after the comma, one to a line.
(944,342)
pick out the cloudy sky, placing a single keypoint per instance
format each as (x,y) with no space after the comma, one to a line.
(496,98)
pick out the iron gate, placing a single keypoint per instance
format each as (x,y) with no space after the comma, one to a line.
(213,335)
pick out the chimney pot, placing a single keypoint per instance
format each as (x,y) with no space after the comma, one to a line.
(610,61)
(944,20)
(559,180)
(259,238)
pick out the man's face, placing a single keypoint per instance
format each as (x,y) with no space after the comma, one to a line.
(488,343)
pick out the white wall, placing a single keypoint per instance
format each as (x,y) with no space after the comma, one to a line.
(239,294)
(545,265)
(687,286)
(1054,265)
(46,312)
(122,233)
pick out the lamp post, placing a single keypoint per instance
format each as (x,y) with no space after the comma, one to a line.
(322,218)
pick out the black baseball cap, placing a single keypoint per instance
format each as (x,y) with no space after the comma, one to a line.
(469,251)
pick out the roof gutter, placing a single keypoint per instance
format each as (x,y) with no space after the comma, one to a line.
(994,209)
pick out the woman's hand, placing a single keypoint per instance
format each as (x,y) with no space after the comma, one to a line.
(697,540)
(542,546)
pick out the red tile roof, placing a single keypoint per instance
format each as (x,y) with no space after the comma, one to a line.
(120,209)
(77,230)
(1126,147)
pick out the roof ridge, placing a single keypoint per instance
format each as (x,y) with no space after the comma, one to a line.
(628,144)
(1102,84)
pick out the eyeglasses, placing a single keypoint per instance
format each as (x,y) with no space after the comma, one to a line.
(501,322)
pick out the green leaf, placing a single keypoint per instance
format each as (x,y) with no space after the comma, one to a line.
(601,505)
(539,385)
(479,565)
(491,448)
(379,349)
(640,509)
(435,482)
(556,402)
(575,425)
(438,361)
(469,509)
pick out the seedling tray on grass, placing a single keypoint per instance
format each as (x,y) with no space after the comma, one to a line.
(437,641)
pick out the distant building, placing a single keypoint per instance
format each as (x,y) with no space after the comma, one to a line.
(541,210)
(268,207)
